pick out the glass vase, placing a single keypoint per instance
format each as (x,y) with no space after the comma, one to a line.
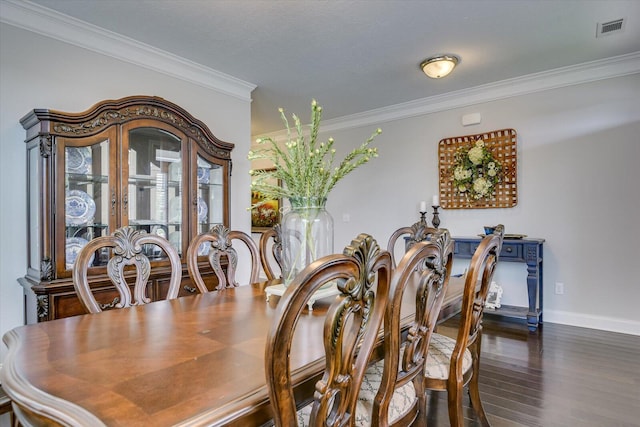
(307,234)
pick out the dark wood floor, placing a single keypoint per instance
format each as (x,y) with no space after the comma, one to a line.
(560,376)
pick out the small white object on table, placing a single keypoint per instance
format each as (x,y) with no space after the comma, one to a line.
(320,293)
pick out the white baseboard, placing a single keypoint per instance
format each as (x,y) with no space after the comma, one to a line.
(594,322)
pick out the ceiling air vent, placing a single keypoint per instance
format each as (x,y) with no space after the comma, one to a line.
(611,27)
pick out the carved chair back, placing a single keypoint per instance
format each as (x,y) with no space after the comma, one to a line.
(126,246)
(416,233)
(351,330)
(221,239)
(477,283)
(464,359)
(271,251)
(423,271)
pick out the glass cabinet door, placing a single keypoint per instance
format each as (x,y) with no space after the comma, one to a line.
(210,194)
(209,197)
(89,204)
(154,193)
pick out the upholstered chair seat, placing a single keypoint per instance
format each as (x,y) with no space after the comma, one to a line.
(402,400)
(439,357)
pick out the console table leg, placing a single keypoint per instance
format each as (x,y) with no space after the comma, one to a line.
(532,290)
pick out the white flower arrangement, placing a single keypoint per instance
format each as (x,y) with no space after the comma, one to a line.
(305,166)
(475,171)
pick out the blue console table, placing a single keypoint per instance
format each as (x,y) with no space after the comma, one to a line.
(527,251)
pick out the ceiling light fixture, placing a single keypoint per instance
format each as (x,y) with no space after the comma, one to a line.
(439,66)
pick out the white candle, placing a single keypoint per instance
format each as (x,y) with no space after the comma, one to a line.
(435,201)
(423,206)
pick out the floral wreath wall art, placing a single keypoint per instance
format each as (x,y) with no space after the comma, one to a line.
(479,171)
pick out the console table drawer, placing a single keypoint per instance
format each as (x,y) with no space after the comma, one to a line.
(510,250)
(467,249)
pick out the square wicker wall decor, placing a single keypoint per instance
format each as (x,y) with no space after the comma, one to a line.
(504,148)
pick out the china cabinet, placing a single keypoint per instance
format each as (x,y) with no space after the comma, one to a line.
(139,161)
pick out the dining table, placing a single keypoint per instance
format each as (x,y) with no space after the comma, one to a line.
(192,361)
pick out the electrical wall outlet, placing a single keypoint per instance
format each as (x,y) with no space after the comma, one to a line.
(559,288)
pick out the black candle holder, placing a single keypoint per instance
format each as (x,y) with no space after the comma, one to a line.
(423,217)
(436,219)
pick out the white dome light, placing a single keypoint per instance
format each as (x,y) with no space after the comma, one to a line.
(439,66)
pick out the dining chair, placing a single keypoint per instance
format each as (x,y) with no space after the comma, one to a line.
(351,330)
(393,388)
(126,249)
(415,233)
(221,239)
(271,251)
(451,363)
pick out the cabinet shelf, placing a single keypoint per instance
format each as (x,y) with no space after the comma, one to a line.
(79,226)
(85,231)
(209,186)
(152,181)
(82,179)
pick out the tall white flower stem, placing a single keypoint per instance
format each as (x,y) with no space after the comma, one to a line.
(304,165)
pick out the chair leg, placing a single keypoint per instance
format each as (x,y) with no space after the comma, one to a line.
(474,395)
(433,402)
(421,420)
(454,398)
(474,389)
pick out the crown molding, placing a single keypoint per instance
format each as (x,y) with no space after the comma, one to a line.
(617,66)
(44,21)
(49,23)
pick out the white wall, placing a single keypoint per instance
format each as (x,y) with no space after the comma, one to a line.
(38,72)
(578,149)
(578,175)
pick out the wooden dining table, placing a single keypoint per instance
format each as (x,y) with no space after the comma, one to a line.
(191,361)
